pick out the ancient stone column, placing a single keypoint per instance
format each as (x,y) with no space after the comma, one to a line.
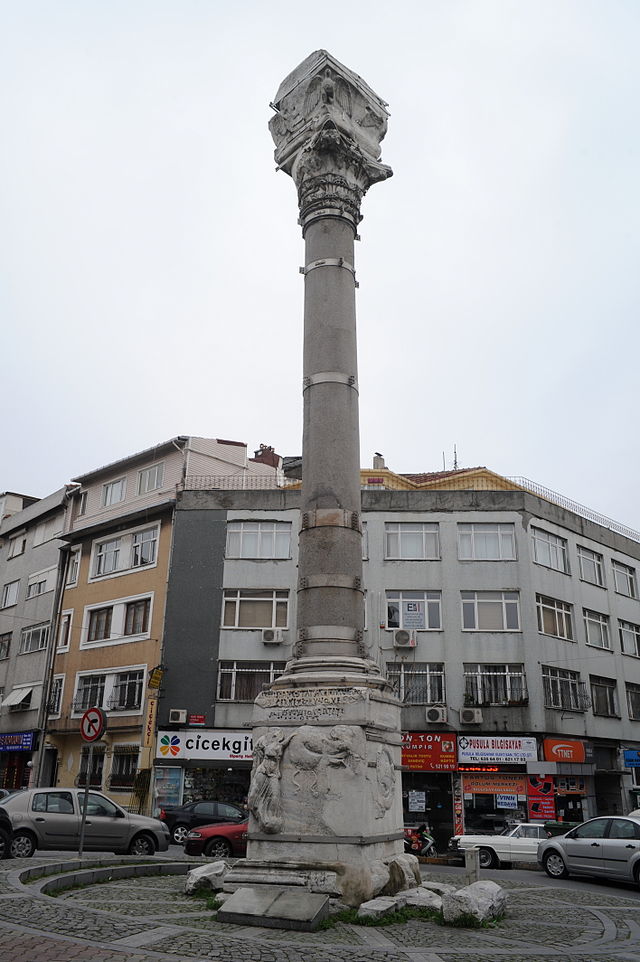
(325,797)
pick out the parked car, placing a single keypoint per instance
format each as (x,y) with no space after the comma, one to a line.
(218,841)
(6,831)
(606,847)
(180,818)
(4,792)
(50,818)
(517,844)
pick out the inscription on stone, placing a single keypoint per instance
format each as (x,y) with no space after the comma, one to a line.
(309,697)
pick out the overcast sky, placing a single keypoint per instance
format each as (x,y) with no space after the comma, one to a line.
(149,252)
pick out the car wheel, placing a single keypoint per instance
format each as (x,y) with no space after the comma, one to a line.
(22,845)
(488,858)
(554,866)
(217,848)
(179,834)
(142,845)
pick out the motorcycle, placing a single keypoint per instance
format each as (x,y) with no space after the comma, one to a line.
(419,841)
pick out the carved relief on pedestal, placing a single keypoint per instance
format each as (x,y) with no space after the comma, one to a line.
(385,783)
(265,798)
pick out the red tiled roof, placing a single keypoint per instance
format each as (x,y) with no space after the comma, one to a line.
(438,475)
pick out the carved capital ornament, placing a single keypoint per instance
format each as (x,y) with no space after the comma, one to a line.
(327,128)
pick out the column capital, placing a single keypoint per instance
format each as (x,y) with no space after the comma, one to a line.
(327,128)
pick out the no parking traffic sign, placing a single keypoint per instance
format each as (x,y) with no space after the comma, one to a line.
(93,724)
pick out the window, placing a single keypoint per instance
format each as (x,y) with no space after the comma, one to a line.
(113,492)
(90,692)
(34,638)
(122,621)
(100,624)
(629,638)
(137,548)
(47,530)
(624,579)
(17,545)
(597,628)
(603,696)
(5,644)
(550,550)
(127,691)
(95,775)
(554,617)
(40,582)
(258,539)
(591,566)
(136,621)
(419,683)
(107,556)
(254,608)
(64,629)
(244,680)
(633,701)
(563,689)
(490,611)
(55,695)
(494,685)
(414,609)
(150,478)
(412,542)
(9,594)
(486,542)
(82,503)
(124,766)
(73,567)
(143,547)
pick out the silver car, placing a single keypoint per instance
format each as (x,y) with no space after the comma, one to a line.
(606,847)
(50,818)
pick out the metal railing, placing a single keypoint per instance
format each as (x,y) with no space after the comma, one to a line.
(576,508)
(495,689)
(236,482)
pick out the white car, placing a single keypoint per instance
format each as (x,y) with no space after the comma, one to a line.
(517,844)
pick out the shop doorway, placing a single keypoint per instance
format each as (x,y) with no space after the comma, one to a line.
(427,798)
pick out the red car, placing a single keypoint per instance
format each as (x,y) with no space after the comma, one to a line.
(218,841)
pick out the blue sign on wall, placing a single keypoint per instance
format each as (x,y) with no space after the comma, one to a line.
(19,741)
(631,758)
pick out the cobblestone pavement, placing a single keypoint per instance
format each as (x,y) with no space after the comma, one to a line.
(149,919)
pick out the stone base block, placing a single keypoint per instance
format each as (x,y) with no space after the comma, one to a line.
(275,907)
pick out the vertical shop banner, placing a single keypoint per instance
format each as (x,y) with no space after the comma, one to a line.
(427,752)
(458,806)
(541,800)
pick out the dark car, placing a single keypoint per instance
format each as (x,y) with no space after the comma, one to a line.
(218,841)
(5,833)
(180,818)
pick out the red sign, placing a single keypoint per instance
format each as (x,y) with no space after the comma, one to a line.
(429,752)
(197,720)
(93,724)
(563,750)
(541,800)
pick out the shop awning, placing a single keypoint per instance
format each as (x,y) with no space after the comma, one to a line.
(16,696)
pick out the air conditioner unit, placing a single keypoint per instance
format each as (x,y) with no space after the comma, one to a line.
(272,636)
(177,716)
(471,716)
(404,639)
(438,713)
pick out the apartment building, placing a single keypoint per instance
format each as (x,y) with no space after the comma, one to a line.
(507,621)
(29,552)
(109,638)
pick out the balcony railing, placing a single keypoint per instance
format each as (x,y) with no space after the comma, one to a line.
(509,691)
(86,700)
(566,697)
(124,702)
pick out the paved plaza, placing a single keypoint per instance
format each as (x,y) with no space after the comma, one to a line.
(149,919)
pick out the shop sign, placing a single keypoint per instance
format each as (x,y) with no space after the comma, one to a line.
(563,750)
(197,720)
(570,785)
(149,722)
(480,784)
(631,758)
(206,745)
(506,801)
(429,752)
(16,741)
(541,798)
(417,801)
(501,750)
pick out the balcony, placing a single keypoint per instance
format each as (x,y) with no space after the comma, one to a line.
(504,691)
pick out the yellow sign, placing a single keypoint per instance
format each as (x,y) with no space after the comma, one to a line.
(150,722)
(498,784)
(155,678)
